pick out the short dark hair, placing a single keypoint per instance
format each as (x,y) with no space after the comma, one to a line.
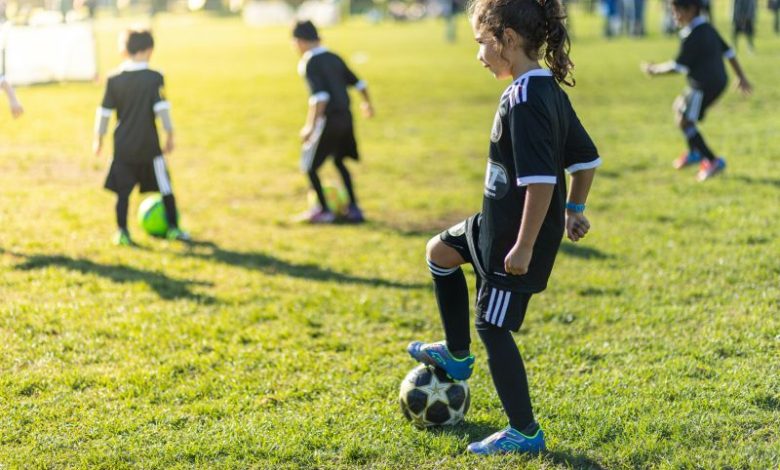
(305,30)
(697,4)
(138,41)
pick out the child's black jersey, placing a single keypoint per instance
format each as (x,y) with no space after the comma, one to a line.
(536,137)
(701,56)
(328,78)
(136,93)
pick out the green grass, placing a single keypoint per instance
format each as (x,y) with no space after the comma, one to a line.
(275,345)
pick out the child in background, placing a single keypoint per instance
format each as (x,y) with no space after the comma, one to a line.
(137,94)
(13,101)
(701,59)
(513,242)
(328,129)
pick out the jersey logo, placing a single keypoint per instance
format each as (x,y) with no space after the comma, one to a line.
(496,181)
(498,128)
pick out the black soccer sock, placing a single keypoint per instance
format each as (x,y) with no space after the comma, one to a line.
(317,187)
(452,295)
(171,214)
(696,142)
(122,204)
(347,178)
(508,372)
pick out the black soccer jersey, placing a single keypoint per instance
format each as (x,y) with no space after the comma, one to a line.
(328,78)
(701,56)
(136,93)
(536,137)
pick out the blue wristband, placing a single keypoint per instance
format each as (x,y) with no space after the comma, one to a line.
(576,208)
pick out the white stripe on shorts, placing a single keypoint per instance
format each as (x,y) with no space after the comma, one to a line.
(310,146)
(694,106)
(161,174)
(504,309)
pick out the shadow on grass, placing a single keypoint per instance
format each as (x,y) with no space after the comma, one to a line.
(761,180)
(583,251)
(427,228)
(166,287)
(271,265)
(476,431)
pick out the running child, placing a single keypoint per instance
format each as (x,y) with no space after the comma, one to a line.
(512,244)
(136,93)
(701,59)
(328,130)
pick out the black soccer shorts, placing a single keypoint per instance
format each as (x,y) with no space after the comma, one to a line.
(496,305)
(151,176)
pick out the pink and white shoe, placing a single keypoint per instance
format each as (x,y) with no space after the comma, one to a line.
(321,216)
(708,169)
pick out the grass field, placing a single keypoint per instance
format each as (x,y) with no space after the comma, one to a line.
(276,345)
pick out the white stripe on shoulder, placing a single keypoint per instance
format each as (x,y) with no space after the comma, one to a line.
(584,166)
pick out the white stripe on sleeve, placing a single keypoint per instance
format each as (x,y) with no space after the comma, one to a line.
(584,166)
(526,180)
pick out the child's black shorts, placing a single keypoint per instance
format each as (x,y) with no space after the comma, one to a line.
(693,103)
(496,305)
(151,176)
(332,136)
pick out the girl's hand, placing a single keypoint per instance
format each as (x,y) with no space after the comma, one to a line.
(745,87)
(517,260)
(577,225)
(97,147)
(646,67)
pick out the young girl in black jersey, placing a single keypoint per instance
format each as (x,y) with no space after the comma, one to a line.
(536,138)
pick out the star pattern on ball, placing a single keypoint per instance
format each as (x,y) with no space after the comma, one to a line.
(436,391)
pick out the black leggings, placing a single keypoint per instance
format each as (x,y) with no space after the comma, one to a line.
(508,372)
(123,202)
(316,184)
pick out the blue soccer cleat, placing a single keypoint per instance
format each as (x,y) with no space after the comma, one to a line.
(509,440)
(437,354)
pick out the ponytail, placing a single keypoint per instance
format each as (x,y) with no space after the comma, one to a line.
(556,54)
(541,23)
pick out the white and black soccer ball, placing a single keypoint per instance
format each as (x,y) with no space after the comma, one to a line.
(429,398)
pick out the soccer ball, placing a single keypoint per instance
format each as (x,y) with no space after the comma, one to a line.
(151,216)
(336,197)
(429,398)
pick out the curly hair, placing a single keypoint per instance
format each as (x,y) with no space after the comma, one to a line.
(541,24)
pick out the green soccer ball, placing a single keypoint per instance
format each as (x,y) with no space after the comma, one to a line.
(336,197)
(151,216)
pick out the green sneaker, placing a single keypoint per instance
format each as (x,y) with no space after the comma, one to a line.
(178,234)
(122,238)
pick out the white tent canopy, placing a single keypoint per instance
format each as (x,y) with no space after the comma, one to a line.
(48,53)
